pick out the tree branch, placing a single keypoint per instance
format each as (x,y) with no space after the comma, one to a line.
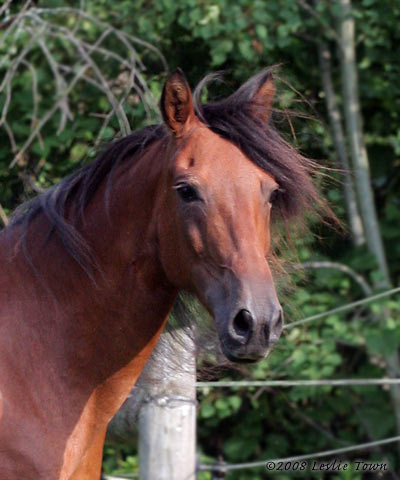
(366,288)
(3,216)
(40,29)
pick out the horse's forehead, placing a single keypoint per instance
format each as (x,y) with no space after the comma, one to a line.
(207,154)
(206,146)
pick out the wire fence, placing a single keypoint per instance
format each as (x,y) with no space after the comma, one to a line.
(120,476)
(344,308)
(315,383)
(222,467)
(300,383)
(297,458)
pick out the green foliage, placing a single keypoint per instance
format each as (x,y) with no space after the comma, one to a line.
(120,459)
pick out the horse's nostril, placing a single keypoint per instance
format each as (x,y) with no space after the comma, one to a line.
(243,324)
(273,329)
(277,327)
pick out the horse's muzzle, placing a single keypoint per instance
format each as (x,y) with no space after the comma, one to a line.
(249,337)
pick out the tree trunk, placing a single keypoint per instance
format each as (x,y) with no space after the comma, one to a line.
(335,118)
(361,169)
(356,141)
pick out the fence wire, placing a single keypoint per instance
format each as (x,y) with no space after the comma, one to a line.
(343,308)
(310,456)
(223,467)
(297,458)
(309,383)
(348,382)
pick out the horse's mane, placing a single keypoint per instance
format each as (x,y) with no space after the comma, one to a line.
(238,118)
(77,191)
(232,118)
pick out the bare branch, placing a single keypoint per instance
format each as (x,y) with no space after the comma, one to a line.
(10,134)
(326,27)
(14,21)
(79,21)
(65,33)
(11,73)
(95,21)
(312,423)
(6,105)
(342,268)
(111,113)
(339,141)
(59,31)
(35,97)
(5,6)
(60,87)
(89,71)
(47,117)
(3,216)
(29,180)
(118,110)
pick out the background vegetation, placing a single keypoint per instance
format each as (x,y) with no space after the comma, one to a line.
(120,51)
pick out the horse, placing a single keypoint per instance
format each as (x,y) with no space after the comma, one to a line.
(91,268)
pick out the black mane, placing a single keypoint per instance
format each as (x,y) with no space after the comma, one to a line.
(232,118)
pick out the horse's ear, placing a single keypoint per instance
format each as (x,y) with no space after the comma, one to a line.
(176,103)
(263,98)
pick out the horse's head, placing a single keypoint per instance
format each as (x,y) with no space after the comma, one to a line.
(214,225)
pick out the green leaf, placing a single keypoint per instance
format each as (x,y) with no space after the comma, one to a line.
(261,31)
(78,151)
(207,410)
(381,342)
(246,49)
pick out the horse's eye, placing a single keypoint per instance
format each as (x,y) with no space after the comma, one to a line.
(187,193)
(274,196)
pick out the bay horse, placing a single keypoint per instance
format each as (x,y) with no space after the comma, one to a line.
(91,268)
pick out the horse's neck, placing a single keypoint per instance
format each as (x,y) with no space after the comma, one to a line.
(130,298)
(122,229)
(95,337)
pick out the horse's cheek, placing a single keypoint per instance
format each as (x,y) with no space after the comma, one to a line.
(172,247)
(195,239)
